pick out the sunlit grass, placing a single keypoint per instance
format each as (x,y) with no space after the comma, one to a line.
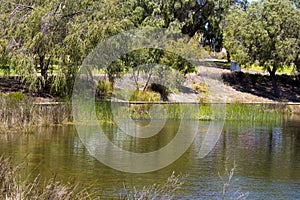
(285,70)
(254,113)
(204,112)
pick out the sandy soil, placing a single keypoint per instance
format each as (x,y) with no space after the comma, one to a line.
(217,90)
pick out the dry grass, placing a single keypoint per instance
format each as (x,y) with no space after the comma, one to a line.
(165,191)
(12,188)
(19,114)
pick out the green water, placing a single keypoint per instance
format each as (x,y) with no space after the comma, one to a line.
(267,157)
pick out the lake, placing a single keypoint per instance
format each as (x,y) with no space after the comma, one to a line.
(266,156)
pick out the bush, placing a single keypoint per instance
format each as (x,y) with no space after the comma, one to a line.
(201,88)
(161,89)
(16,96)
(139,95)
(104,89)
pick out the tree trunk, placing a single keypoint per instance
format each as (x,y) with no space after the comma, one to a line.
(43,67)
(147,83)
(297,62)
(274,83)
(228,57)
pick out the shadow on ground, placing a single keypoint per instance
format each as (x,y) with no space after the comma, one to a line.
(261,85)
(10,84)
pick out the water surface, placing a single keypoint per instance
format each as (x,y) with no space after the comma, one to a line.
(266,156)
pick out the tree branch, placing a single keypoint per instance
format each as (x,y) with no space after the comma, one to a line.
(17,4)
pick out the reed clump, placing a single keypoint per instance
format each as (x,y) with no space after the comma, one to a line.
(19,113)
(15,112)
(205,112)
(254,112)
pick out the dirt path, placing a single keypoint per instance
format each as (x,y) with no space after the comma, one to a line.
(217,90)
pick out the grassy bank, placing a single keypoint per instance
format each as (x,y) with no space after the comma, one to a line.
(234,112)
(285,70)
(19,113)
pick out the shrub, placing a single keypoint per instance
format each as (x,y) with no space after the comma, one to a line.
(16,96)
(201,88)
(161,89)
(104,89)
(139,95)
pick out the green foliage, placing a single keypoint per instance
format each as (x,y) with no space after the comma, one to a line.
(185,49)
(261,34)
(4,57)
(36,35)
(253,113)
(161,89)
(16,96)
(104,89)
(267,33)
(202,88)
(147,96)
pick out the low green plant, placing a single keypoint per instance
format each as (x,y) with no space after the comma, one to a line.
(201,88)
(222,64)
(16,96)
(147,96)
(234,112)
(104,89)
(205,112)
(19,114)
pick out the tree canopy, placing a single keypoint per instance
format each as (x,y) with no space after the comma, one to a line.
(42,36)
(38,37)
(266,33)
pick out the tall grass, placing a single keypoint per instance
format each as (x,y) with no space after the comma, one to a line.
(142,111)
(254,112)
(18,113)
(234,112)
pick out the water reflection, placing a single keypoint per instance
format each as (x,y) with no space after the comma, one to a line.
(267,157)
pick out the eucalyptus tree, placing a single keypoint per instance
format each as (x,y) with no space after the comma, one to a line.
(188,16)
(266,33)
(185,17)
